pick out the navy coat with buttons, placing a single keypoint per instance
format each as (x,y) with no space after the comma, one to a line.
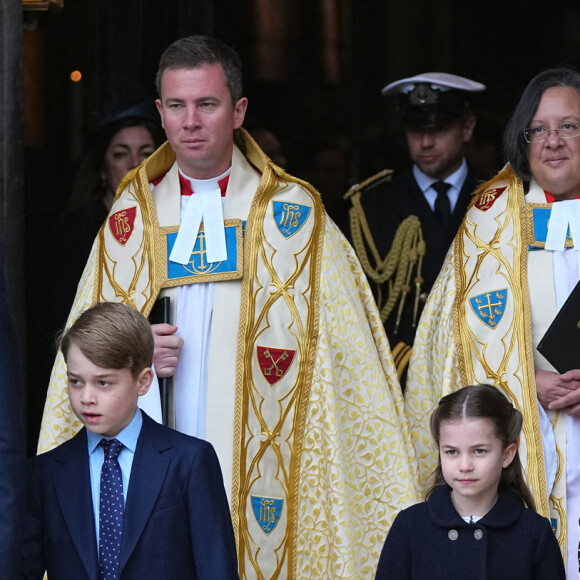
(430,541)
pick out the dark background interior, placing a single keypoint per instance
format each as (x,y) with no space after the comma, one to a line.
(313,74)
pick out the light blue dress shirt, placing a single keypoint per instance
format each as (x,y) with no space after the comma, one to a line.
(456,180)
(128,437)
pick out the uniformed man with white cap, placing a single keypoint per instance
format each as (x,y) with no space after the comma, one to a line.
(425,204)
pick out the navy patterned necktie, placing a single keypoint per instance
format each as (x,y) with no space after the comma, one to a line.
(442,205)
(110,510)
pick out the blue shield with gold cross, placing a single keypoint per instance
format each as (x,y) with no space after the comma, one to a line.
(290,217)
(267,511)
(490,306)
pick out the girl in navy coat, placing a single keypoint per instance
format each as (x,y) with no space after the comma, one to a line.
(479,520)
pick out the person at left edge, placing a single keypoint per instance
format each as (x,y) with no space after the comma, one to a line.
(175,522)
(284,366)
(12,455)
(119,140)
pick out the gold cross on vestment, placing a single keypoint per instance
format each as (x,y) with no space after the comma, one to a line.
(489,306)
(201,252)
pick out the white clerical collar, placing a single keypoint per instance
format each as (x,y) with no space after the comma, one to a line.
(204,185)
(206,205)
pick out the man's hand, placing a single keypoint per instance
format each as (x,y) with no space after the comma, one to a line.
(559,391)
(167,345)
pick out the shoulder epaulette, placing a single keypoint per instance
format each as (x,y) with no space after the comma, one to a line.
(380,177)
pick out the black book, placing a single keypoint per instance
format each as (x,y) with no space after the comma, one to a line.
(560,345)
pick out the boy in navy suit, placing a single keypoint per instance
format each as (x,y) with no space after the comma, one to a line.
(126,498)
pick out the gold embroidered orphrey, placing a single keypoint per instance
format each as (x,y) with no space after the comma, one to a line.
(270,434)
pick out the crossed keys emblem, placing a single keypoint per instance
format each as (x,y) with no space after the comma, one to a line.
(279,371)
(274,362)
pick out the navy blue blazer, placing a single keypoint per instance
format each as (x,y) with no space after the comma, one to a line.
(430,541)
(177,521)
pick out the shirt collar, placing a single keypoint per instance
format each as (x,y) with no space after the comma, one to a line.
(456,179)
(128,436)
(187,187)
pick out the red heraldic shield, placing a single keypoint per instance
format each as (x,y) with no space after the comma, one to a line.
(121,224)
(274,362)
(488,197)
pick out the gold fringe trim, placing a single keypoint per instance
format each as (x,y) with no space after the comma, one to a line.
(401,355)
(405,255)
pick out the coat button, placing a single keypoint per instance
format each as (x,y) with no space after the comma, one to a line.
(478,534)
(453,535)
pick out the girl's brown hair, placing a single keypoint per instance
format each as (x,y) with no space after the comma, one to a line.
(485,402)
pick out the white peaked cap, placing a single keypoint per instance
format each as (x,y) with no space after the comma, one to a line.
(437,80)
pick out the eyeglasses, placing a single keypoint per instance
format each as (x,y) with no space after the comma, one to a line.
(541,133)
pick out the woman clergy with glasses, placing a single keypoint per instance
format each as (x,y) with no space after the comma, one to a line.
(511,267)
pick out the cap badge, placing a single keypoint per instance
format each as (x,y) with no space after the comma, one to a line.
(423,94)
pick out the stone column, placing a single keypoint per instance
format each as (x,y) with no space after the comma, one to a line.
(12,236)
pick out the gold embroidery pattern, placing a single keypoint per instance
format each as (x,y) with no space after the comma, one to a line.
(132,279)
(355,425)
(557,502)
(434,369)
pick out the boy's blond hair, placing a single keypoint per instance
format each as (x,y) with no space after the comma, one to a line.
(112,336)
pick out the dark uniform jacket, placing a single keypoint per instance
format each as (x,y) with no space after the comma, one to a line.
(431,541)
(386,205)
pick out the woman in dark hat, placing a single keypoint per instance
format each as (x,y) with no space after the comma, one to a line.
(122,137)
